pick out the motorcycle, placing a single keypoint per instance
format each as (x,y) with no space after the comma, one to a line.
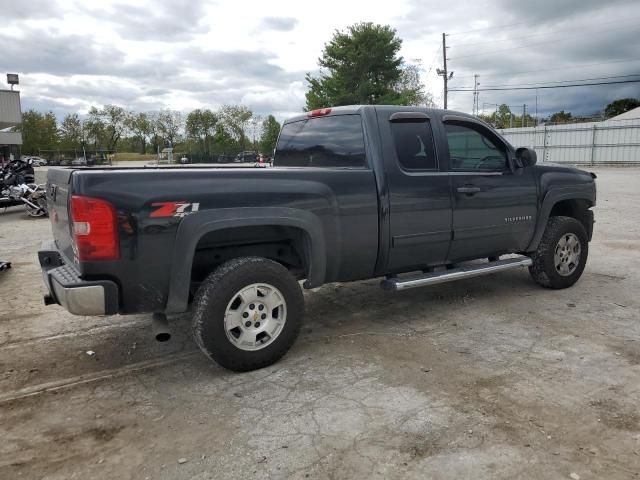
(18,187)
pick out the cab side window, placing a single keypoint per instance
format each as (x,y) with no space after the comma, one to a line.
(414,145)
(470,150)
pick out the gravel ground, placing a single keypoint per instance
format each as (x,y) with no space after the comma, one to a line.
(486,378)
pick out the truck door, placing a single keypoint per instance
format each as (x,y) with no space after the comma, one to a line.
(495,206)
(419,192)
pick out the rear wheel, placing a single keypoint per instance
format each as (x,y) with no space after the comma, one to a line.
(561,255)
(248,313)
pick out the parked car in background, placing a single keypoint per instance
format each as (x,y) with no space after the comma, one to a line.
(38,161)
(248,156)
(35,161)
(79,162)
(225,159)
(266,159)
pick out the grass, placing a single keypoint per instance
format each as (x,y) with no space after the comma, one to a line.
(130,156)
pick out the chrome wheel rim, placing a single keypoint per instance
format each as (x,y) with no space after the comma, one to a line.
(567,254)
(255,316)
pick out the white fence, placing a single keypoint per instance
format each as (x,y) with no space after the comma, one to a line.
(598,143)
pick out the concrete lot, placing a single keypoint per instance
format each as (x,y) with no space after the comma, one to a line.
(486,378)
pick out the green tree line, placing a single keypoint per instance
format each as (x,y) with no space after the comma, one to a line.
(202,132)
(503,117)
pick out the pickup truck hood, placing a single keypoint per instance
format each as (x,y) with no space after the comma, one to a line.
(556,167)
(566,174)
(552,177)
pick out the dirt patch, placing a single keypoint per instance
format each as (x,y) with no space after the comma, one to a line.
(616,416)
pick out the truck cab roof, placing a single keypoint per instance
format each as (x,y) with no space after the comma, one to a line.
(356,109)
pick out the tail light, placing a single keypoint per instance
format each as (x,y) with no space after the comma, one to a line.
(319,112)
(95,229)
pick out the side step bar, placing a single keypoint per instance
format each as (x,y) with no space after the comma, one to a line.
(467,271)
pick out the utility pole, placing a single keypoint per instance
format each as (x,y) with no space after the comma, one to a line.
(524,112)
(476,95)
(443,71)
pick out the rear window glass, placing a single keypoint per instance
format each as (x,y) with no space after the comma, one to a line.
(414,145)
(334,141)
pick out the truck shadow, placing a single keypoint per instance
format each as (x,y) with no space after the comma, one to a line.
(332,311)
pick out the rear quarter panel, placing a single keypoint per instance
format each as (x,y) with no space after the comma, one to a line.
(344,202)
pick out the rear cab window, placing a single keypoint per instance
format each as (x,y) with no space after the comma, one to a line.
(413,141)
(335,141)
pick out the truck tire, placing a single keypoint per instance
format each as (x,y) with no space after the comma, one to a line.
(247,313)
(561,255)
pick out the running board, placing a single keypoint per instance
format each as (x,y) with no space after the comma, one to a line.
(467,271)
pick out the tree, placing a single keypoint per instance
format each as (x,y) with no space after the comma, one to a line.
(362,66)
(501,118)
(621,106)
(411,89)
(71,132)
(236,119)
(561,117)
(270,132)
(39,132)
(169,125)
(107,125)
(223,142)
(256,130)
(139,124)
(201,126)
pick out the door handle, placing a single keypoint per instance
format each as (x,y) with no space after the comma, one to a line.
(469,190)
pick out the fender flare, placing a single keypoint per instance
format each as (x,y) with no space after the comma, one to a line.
(552,197)
(193,227)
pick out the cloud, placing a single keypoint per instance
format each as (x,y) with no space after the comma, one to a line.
(162,20)
(281,24)
(147,55)
(15,11)
(51,52)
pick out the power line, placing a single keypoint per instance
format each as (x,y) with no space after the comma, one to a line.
(560,81)
(431,64)
(523,46)
(623,60)
(488,28)
(547,86)
(617,22)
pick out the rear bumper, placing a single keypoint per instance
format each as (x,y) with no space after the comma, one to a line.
(66,288)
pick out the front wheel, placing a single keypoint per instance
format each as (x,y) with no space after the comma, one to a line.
(561,255)
(247,313)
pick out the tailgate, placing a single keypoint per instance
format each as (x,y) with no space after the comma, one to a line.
(58,195)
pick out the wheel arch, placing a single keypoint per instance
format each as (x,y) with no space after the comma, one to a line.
(564,202)
(224,223)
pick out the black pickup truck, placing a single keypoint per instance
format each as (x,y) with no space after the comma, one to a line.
(415,196)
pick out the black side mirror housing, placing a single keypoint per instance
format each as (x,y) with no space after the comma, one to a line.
(526,157)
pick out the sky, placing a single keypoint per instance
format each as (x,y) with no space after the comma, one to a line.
(147,55)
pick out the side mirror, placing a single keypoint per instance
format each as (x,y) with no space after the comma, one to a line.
(526,157)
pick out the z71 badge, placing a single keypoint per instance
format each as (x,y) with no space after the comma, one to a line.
(173,209)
